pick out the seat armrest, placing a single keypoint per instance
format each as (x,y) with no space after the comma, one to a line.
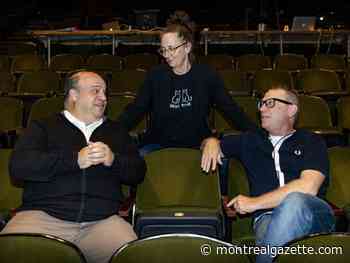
(126,206)
(336,210)
(230,211)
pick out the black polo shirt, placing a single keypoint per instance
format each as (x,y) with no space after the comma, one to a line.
(301,151)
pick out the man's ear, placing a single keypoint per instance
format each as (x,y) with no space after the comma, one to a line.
(188,47)
(73,93)
(293,109)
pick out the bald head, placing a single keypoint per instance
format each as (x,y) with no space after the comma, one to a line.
(85,96)
(72,81)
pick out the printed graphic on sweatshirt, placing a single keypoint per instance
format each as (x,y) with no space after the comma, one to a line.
(181,98)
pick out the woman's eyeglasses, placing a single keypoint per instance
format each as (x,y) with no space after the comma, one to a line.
(171,50)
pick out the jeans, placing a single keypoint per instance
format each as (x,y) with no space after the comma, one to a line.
(297,215)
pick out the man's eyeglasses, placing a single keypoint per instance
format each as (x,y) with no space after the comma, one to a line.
(271,102)
(171,50)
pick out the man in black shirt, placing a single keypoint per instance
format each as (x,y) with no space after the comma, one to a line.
(288,173)
(72,165)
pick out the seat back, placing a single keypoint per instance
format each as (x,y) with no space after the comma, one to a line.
(128,80)
(265,79)
(178,248)
(249,106)
(39,82)
(10,192)
(339,185)
(321,248)
(218,61)
(7,82)
(37,248)
(313,113)
(117,104)
(290,62)
(236,83)
(44,107)
(64,63)
(252,62)
(27,63)
(4,63)
(329,61)
(343,110)
(141,61)
(11,113)
(15,48)
(238,184)
(316,80)
(175,179)
(105,62)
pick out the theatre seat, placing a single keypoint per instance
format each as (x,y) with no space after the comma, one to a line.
(141,61)
(178,248)
(7,83)
(218,61)
(236,83)
(126,81)
(333,62)
(319,248)
(45,107)
(265,79)
(177,196)
(64,63)
(10,192)
(248,104)
(105,63)
(314,115)
(11,116)
(38,248)
(252,63)
(290,62)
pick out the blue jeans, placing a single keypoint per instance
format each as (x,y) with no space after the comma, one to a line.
(297,215)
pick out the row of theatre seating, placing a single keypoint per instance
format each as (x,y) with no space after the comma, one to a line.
(330,119)
(17,113)
(177,199)
(328,76)
(319,82)
(174,248)
(67,62)
(243,63)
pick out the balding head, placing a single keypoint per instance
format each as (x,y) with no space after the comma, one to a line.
(85,96)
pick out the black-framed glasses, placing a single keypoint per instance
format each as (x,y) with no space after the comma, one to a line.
(271,102)
(171,50)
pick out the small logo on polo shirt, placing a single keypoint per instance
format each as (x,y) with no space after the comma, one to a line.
(297,152)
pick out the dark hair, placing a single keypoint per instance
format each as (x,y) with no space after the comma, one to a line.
(180,23)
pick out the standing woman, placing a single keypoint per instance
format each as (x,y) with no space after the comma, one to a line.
(179,94)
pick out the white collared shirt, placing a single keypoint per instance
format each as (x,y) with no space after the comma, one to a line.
(87,130)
